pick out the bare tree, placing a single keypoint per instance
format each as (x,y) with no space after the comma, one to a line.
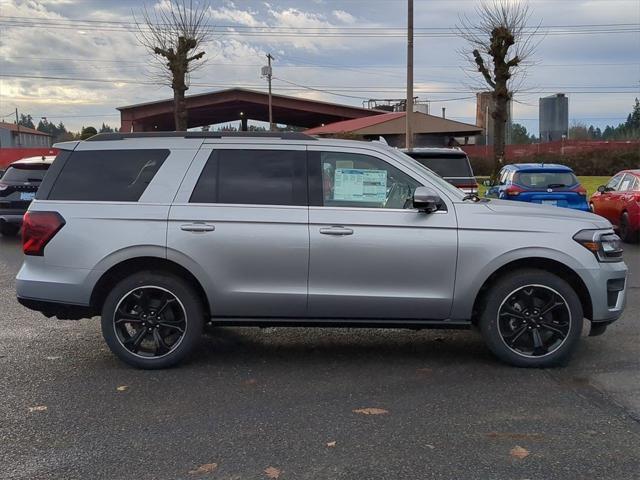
(173,31)
(499,42)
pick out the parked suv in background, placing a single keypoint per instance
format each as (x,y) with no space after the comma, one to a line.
(545,183)
(18,186)
(619,202)
(452,164)
(159,233)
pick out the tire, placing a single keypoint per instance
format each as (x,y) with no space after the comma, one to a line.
(9,229)
(514,324)
(626,234)
(159,320)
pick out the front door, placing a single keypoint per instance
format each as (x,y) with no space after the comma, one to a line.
(372,255)
(240,223)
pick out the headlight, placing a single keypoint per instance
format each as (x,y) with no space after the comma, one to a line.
(605,245)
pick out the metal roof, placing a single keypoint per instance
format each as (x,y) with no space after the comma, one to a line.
(394,123)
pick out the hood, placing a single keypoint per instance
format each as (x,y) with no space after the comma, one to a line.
(542,212)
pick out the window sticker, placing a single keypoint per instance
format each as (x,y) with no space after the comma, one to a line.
(360,185)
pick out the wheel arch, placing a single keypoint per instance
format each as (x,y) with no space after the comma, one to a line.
(124,268)
(541,263)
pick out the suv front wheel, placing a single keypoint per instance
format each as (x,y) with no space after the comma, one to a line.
(152,320)
(532,318)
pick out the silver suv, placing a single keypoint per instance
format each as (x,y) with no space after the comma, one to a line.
(161,233)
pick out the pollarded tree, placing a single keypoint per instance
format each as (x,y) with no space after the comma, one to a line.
(174,32)
(499,41)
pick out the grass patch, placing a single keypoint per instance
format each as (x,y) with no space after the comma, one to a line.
(590,183)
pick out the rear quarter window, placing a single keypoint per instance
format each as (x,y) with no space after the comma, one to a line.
(107,175)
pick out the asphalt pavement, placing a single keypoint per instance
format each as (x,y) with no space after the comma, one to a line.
(302,403)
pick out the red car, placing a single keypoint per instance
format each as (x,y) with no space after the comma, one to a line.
(619,202)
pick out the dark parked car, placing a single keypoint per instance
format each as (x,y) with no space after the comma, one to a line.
(18,186)
(619,202)
(452,164)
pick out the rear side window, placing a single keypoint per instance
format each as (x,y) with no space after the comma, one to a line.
(25,173)
(107,175)
(260,177)
(447,166)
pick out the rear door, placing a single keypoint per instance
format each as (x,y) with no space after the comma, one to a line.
(372,255)
(240,221)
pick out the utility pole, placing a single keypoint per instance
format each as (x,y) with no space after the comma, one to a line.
(409,103)
(18,127)
(268,72)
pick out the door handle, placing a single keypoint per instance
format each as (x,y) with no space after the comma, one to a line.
(338,231)
(197,227)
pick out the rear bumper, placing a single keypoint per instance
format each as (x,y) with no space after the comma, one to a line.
(62,311)
(11,216)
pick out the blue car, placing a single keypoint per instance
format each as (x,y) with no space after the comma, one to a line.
(544,183)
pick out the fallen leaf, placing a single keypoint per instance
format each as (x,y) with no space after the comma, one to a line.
(519,452)
(38,408)
(251,381)
(122,388)
(272,472)
(430,446)
(371,411)
(331,444)
(52,358)
(206,468)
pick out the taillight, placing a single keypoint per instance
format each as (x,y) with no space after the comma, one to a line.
(580,190)
(512,191)
(38,228)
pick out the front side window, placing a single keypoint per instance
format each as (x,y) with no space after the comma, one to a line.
(355,180)
(613,183)
(258,177)
(107,175)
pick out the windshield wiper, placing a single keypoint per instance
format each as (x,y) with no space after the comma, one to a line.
(556,185)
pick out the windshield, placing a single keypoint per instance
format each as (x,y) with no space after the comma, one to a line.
(25,173)
(433,177)
(545,179)
(446,166)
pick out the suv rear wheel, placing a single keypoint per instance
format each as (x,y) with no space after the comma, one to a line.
(532,318)
(152,320)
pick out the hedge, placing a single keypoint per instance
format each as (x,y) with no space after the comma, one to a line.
(601,163)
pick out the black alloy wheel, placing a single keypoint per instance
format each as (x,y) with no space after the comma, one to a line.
(534,321)
(150,321)
(153,319)
(531,318)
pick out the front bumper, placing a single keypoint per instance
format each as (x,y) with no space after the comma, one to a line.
(607,287)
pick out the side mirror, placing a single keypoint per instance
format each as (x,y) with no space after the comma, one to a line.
(602,189)
(426,200)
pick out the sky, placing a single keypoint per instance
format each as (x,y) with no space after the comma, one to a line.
(75,61)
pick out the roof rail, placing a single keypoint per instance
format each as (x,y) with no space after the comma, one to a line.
(101,137)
